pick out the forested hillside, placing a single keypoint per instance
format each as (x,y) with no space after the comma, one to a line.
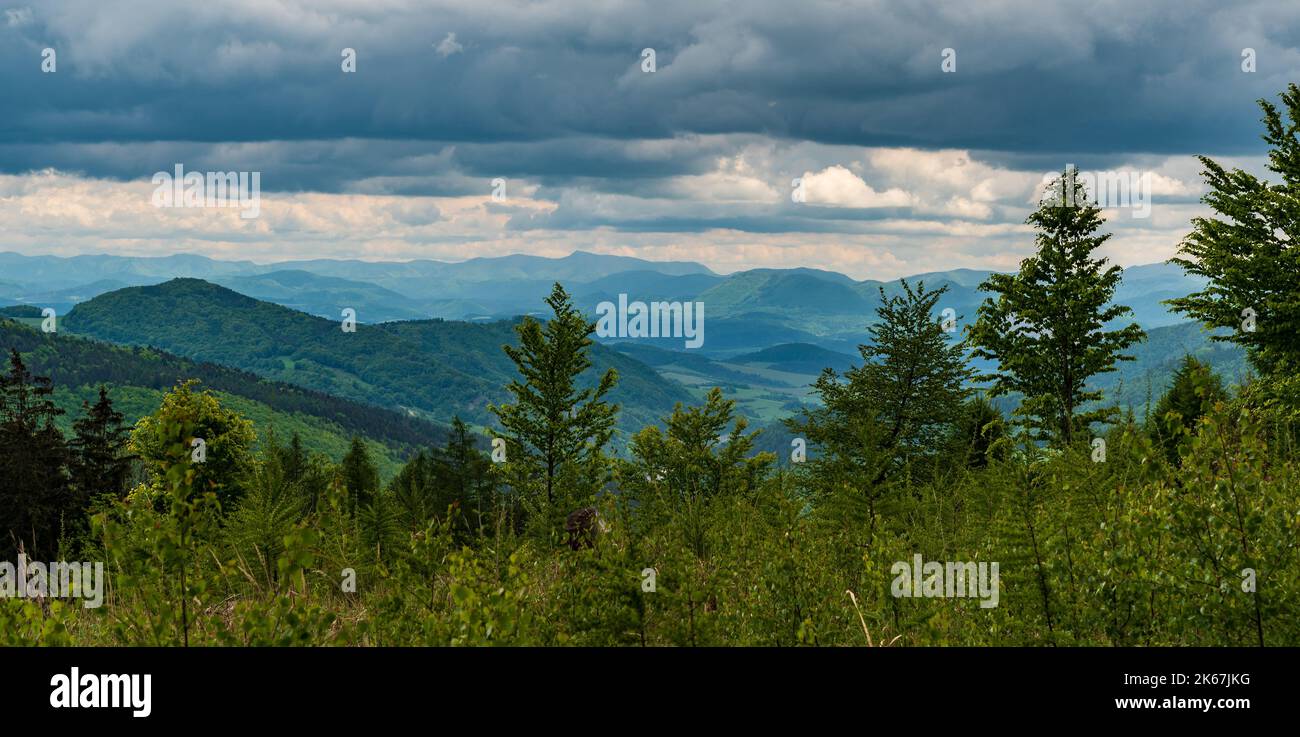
(138,378)
(434,369)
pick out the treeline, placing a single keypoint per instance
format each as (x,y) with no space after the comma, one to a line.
(48,481)
(1174,529)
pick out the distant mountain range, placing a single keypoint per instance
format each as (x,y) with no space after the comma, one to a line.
(432,369)
(73,279)
(430,342)
(787,305)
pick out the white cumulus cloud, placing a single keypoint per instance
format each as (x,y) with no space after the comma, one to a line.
(838,187)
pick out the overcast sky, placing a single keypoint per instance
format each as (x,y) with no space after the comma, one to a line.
(906,167)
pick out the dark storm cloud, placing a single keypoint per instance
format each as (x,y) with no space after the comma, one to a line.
(1034,79)
(378,166)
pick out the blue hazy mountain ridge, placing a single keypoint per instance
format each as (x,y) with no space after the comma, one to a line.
(325,296)
(793,305)
(809,316)
(62,300)
(483,287)
(65,271)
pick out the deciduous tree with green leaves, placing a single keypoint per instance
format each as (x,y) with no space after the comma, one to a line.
(1047,325)
(1247,250)
(227,440)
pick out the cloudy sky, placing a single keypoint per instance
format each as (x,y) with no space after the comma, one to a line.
(905,167)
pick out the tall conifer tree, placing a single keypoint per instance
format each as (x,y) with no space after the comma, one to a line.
(34,494)
(555,426)
(1046,326)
